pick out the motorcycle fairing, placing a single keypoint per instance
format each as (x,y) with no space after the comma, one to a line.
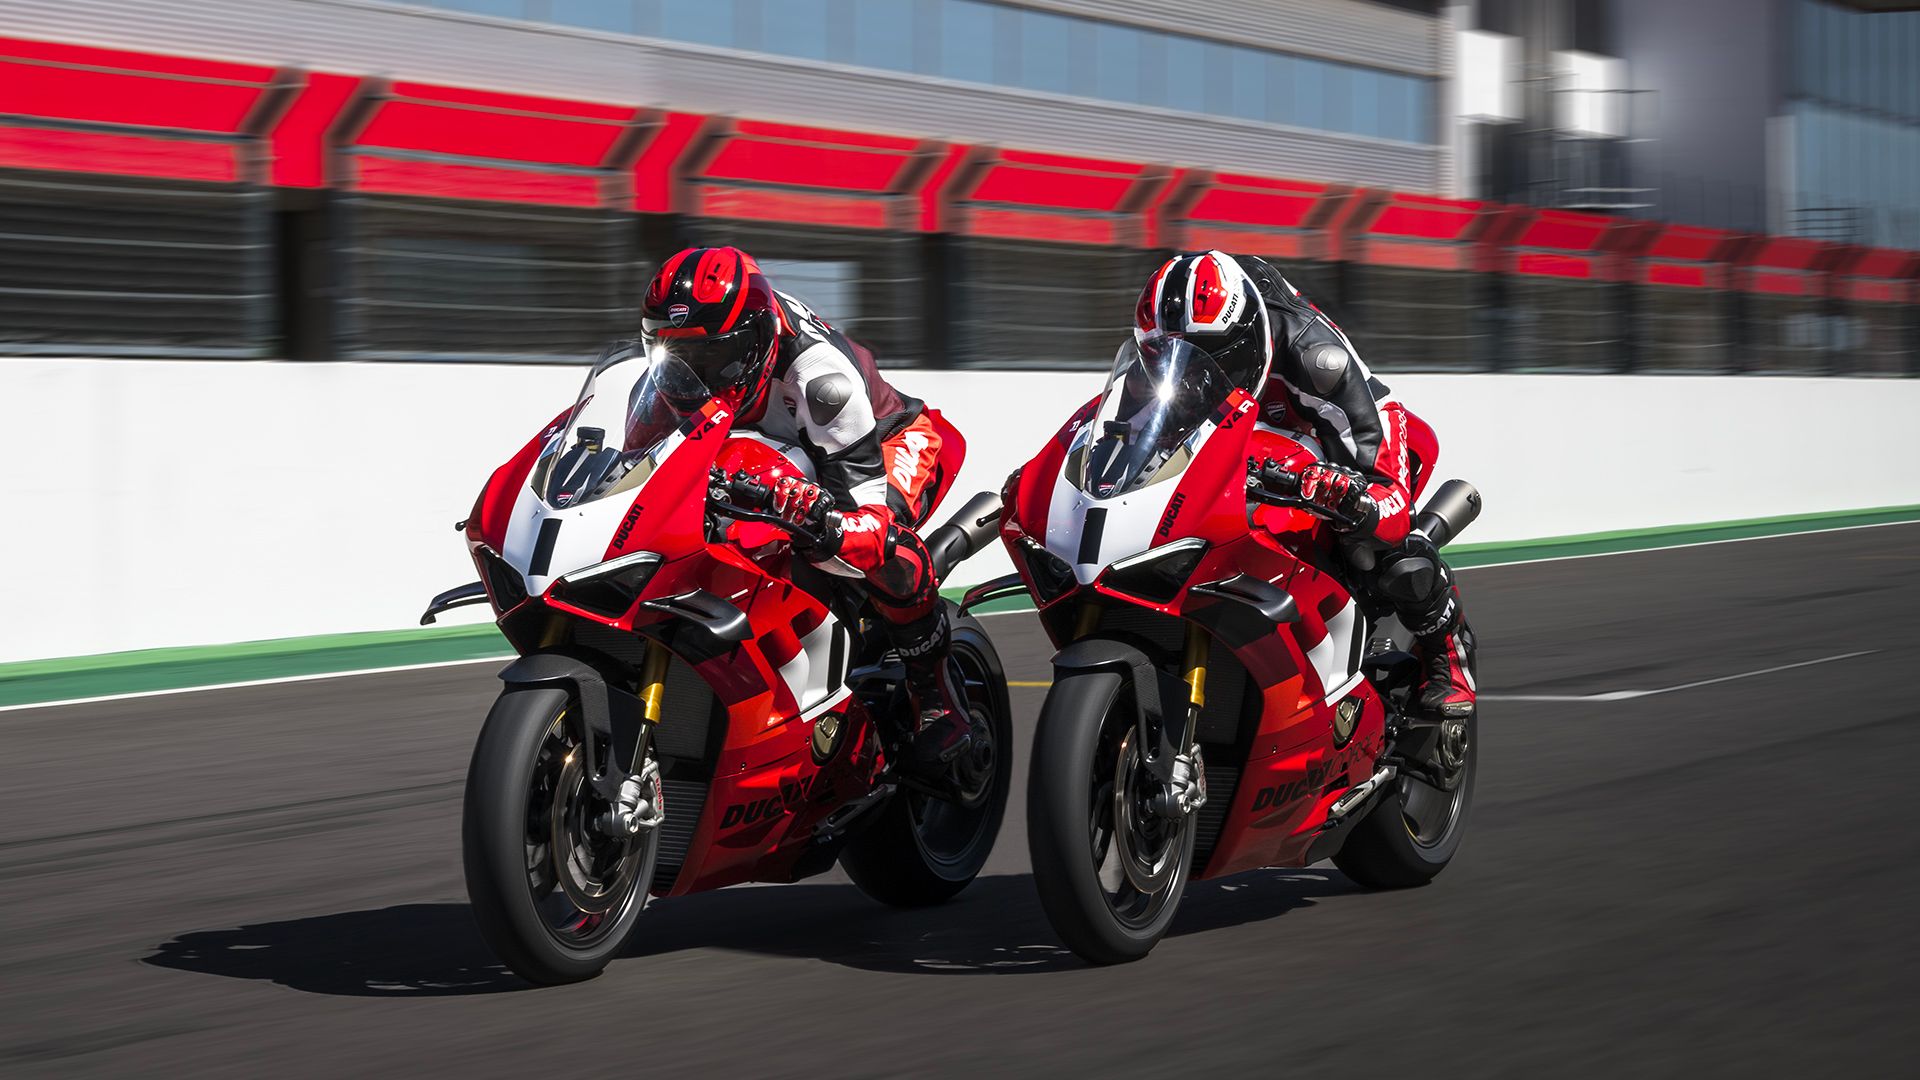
(1292,770)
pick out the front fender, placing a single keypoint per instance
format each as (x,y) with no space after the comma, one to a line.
(1155,692)
(605,710)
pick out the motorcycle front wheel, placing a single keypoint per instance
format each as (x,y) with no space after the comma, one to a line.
(1110,872)
(555,896)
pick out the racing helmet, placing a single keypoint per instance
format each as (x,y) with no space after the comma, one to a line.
(1209,300)
(713,310)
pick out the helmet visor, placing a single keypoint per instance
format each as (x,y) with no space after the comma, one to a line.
(728,361)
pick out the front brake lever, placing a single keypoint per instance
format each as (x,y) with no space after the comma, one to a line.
(1295,502)
(741,513)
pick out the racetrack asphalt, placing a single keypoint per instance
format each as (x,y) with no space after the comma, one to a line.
(1720,880)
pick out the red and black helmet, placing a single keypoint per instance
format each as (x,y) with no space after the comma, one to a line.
(712,309)
(1209,300)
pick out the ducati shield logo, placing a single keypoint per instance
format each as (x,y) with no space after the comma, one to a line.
(1344,718)
(678,313)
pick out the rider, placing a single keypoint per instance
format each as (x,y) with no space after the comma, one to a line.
(789,375)
(1309,379)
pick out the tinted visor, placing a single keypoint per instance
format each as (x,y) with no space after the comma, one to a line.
(726,361)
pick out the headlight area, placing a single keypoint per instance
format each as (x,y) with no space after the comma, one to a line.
(608,588)
(1052,577)
(508,588)
(1157,574)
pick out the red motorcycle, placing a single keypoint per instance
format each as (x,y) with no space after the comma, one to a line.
(1215,705)
(694,704)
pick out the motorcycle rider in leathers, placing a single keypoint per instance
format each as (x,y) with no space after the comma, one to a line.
(1311,382)
(789,375)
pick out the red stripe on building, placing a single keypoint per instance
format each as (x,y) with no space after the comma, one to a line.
(299,139)
(1551,265)
(448,180)
(801,165)
(119,155)
(653,188)
(846,211)
(933,190)
(1033,225)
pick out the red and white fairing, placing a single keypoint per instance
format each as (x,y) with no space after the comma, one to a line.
(622,479)
(1111,493)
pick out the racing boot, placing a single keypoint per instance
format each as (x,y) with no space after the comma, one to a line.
(1446,687)
(1421,588)
(943,732)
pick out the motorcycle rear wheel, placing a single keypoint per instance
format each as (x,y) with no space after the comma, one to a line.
(1094,842)
(922,850)
(556,899)
(1413,830)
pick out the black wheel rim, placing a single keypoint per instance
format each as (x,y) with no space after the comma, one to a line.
(1430,812)
(1137,855)
(948,831)
(582,881)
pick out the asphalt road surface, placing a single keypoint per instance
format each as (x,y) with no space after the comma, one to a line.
(1721,880)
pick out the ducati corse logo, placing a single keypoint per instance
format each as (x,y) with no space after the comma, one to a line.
(678,313)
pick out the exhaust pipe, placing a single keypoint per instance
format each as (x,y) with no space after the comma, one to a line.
(966,532)
(1449,512)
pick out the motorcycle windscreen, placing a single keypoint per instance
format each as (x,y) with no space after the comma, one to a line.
(1159,393)
(634,398)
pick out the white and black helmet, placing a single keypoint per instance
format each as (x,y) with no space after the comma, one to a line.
(1209,300)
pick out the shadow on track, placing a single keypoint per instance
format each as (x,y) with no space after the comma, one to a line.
(996,927)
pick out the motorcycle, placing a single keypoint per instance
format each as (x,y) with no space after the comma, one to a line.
(1215,705)
(695,704)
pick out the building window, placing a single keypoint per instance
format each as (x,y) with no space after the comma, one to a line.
(883,34)
(615,16)
(966,41)
(981,41)
(1046,43)
(702,22)
(1116,66)
(1249,82)
(795,28)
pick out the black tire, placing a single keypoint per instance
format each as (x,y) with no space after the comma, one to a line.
(1397,846)
(512,899)
(1085,713)
(921,851)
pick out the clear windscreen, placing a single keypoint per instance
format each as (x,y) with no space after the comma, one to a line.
(1159,392)
(633,399)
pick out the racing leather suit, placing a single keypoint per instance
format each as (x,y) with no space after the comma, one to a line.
(877,452)
(1319,386)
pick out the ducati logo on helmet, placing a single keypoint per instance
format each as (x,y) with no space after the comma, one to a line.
(678,313)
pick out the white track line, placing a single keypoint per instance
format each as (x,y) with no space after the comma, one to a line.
(1629,695)
(315,677)
(1677,547)
(1010,611)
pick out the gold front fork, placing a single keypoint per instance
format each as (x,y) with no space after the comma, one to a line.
(1194,670)
(653,680)
(1088,618)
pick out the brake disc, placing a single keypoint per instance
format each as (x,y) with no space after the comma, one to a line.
(1146,843)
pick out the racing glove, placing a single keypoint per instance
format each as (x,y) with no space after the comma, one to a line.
(800,502)
(1342,493)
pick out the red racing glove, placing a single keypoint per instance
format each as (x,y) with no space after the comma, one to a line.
(800,502)
(1342,493)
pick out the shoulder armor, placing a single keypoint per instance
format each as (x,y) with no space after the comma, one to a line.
(1326,365)
(827,395)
